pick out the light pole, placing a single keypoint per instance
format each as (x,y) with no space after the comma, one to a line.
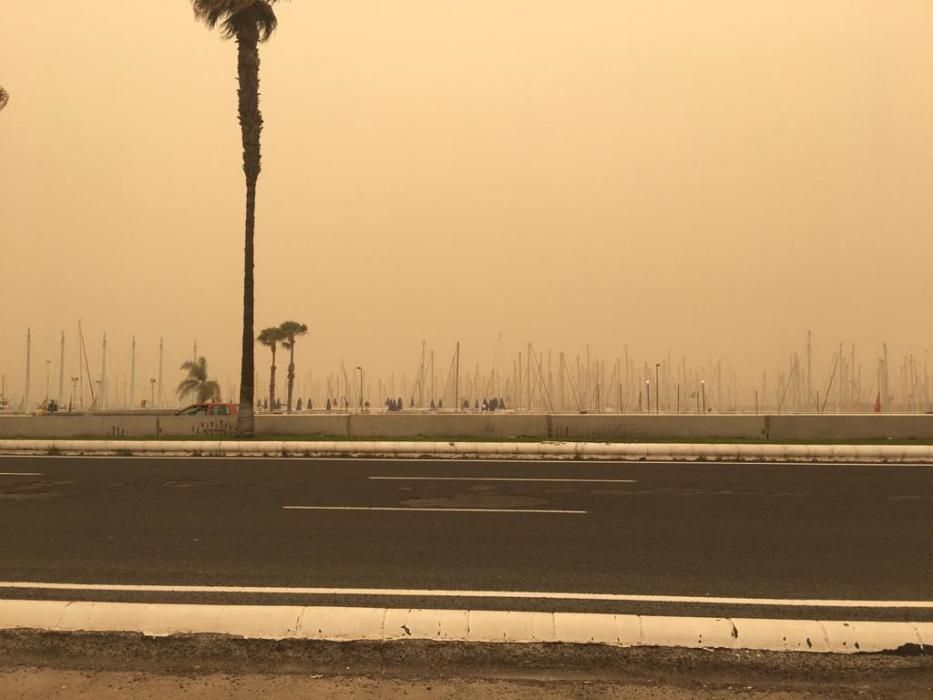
(703,393)
(152,383)
(657,390)
(648,393)
(48,364)
(361,388)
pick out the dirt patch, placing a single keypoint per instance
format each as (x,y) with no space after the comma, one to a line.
(218,666)
(42,684)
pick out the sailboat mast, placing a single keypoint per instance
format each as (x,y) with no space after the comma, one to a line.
(161,354)
(133,373)
(61,371)
(421,379)
(103,373)
(28,369)
(457,380)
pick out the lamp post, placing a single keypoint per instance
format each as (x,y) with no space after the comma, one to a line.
(703,393)
(648,393)
(361,388)
(48,365)
(152,383)
(657,389)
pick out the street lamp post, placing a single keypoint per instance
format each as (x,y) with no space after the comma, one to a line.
(648,393)
(361,388)
(152,383)
(703,393)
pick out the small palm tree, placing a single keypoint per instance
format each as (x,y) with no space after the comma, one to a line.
(291,330)
(271,337)
(197,383)
(250,22)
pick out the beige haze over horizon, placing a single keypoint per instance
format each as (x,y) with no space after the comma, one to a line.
(714,178)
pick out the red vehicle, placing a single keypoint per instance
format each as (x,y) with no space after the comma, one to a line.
(209,409)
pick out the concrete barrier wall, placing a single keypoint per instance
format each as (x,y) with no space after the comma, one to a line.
(329,425)
(850,427)
(577,427)
(90,425)
(402,425)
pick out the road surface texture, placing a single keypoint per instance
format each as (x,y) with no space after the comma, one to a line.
(702,539)
(688,530)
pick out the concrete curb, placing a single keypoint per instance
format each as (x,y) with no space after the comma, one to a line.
(480,450)
(347,624)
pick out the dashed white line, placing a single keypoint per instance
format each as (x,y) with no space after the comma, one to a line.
(439,510)
(499,478)
(21,474)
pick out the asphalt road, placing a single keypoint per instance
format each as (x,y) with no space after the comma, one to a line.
(810,532)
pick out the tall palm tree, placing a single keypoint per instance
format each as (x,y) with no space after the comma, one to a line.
(271,337)
(197,382)
(291,330)
(249,22)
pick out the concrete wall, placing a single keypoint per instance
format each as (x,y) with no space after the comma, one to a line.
(577,427)
(403,425)
(64,425)
(854,427)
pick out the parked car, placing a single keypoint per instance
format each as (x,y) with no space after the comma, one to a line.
(209,409)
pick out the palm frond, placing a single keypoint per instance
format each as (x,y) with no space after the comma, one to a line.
(259,14)
(211,12)
(293,329)
(270,336)
(234,15)
(196,370)
(197,382)
(208,391)
(187,387)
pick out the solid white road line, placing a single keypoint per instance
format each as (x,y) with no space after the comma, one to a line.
(346,624)
(527,463)
(439,510)
(456,593)
(499,478)
(20,474)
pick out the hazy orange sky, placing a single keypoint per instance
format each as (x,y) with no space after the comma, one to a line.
(714,178)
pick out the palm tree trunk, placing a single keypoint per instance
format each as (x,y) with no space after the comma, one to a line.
(272,382)
(247,39)
(291,372)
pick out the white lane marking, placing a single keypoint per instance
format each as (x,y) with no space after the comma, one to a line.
(457,593)
(499,478)
(523,460)
(20,473)
(439,510)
